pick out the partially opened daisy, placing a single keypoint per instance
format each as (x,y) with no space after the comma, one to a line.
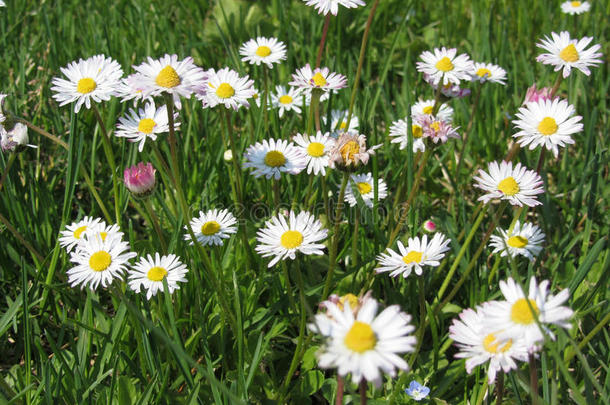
(309,79)
(147,122)
(263,50)
(132,88)
(399,135)
(525,239)
(282,237)
(286,100)
(367,345)
(516,184)
(212,227)
(338,122)
(364,184)
(445,66)
(488,72)
(480,345)
(73,233)
(426,107)
(515,318)
(436,129)
(148,274)
(273,157)
(98,261)
(332,6)
(575,7)
(316,151)
(226,87)
(350,152)
(94,79)
(547,123)
(417,254)
(565,53)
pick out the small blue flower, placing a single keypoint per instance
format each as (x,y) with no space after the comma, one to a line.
(417,391)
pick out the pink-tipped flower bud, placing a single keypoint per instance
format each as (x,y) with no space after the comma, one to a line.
(429,226)
(140,179)
(533,94)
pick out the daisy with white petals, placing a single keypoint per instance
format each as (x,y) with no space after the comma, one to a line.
(132,88)
(332,6)
(316,150)
(286,100)
(94,79)
(525,239)
(212,227)
(149,273)
(487,72)
(283,237)
(443,66)
(338,122)
(263,50)
(426,107)
(75,231)
(575,7)
(565,53)
(364,184)
(399,135)
(227,88)
(414,256)
(273,157)
(309,79)
(147,122)
(516,184)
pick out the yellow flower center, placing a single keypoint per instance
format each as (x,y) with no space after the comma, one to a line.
(360,337)
(146,125)
(509,186)
(493,346)
(275,158)
(548,126)
(263,51)
(103,235)
(575,3)
(156,273)
(99,261)
(413,257)
(351,299)
(79,231)
(225,90)
(436,126)
(517,241)
(417,131)
(315,149)
(364,187)
(343,125)
(428,109)
(210,228)
(482,72)
(349,150)
(319,80)
(286,99)
(521,313)
(291,239)
(569,53)
(168,77)
(444,65)
(86,85)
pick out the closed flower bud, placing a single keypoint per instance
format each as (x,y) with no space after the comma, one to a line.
(140,179)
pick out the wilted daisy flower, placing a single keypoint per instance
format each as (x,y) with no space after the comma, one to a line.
(365,184)
(517,185)
(149,273)
(273,157)
(338,122)
(146,123)
(488,72)
(417,391)
(265,50)
(227,88)
(426,107)
(478,344)
(575,7)
(211,227)
(436,129)
(565,53)
(332,6)
(94,79)
(350,152)
(365,345)
(416,255)
(547,123)
(523,240)
(98,261)
(283,237)
(514,317)
(73,233)
(286,100)
(315,149)
(15,139)
(319,78)
(443,66)
(399,134)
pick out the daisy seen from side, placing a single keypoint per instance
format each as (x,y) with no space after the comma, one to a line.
(399,135)
(426,107)
(488,72)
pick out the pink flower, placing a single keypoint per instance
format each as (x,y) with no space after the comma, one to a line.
(436,129)
(140,179)
(429,226)
(533,94)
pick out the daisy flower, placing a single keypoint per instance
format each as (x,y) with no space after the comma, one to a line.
(350,151)
(338,122)
(315,149)
(426,107)
(515,319)
(399,134)
(575,7)
(286,100)
(263,50)
(73,233)
(227,88)
(487,72)
(211,227)
(131,88)
(364,184)
(273,157)
(525,240)
(16,139)
(366,345)
(478,345)
(517,185)
(565,53)
(105,231)
(332,6)
(443,66)
(147,122)
(449,90)
(547,123)
(415,255)
(149,273)
(94,79)
(319,79)
(436,129)
(98,261)
(283,237)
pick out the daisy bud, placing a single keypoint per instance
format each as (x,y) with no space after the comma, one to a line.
(140,179)
(228,155)
(16,139)
(533,94)
(429,226)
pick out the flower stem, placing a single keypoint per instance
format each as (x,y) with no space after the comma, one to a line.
(533,379)
(313,107)
(355,238)
(362,389)
(155,222)
(9,164)
(422,317)
(465,137)
(323,39)
(340,389)
(499,387)
(557,84)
